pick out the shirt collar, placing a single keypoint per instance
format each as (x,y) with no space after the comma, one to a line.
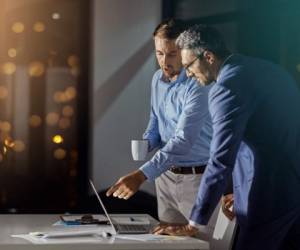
(182,77)
(223,64)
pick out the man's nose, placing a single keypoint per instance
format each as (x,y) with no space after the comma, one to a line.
(165,60)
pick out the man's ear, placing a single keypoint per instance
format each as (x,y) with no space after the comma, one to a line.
(209,57)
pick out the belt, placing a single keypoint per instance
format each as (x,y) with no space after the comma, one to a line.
(188,170)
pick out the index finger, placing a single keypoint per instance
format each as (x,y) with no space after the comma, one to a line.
(112,189)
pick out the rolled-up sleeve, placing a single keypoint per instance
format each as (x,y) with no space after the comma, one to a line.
(152,133)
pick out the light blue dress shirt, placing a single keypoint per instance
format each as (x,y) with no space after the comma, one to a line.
(179,125)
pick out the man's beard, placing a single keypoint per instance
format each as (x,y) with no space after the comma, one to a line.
(169,72)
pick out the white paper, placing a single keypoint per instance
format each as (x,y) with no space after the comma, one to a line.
(66,240)
(222,225)
(149,237)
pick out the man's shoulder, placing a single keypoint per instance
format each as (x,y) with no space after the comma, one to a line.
(190,83)
(194,87)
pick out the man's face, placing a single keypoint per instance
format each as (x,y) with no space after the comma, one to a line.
(198,68)
(168,57)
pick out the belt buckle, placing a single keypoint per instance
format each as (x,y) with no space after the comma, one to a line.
(194,170)
(176,170)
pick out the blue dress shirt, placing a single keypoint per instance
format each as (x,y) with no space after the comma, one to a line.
(179,125)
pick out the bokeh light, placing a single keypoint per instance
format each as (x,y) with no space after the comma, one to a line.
(8,68)
(35,121)
(19,146)
(18,27)
(12,52)
(73,61)
(55,16)
(64,123)
(60,97)
(59,153)
(8,142)
(36,69)
(58,139)
(5,126)
(75,71)
(52,118)
(71,93)
(39,27)
(67,111)
(3,92)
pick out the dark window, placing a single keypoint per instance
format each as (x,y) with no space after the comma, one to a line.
(44,50)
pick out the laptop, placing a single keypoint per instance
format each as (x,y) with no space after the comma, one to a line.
(121,228)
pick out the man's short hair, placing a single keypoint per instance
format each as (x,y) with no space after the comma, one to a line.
(202,37)
(169,29)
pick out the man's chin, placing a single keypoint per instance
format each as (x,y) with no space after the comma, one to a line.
(202,82)
(168,75)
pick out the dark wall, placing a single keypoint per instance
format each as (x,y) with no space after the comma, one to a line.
(267,29)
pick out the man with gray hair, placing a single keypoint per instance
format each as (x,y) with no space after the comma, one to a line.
(254,106)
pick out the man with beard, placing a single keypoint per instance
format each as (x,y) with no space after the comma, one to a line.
(180,127)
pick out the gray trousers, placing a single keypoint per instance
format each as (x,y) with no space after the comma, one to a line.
(176,194)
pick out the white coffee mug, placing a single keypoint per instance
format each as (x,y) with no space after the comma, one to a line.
(139,149)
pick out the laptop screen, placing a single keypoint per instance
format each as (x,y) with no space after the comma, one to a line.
(103,207)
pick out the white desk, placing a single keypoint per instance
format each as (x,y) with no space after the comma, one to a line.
(22,224)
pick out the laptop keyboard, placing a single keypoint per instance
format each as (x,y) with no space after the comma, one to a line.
(133,228)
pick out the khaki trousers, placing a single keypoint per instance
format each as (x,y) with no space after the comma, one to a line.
(176,194)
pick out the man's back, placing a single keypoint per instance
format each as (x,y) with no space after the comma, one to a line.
(267,99)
